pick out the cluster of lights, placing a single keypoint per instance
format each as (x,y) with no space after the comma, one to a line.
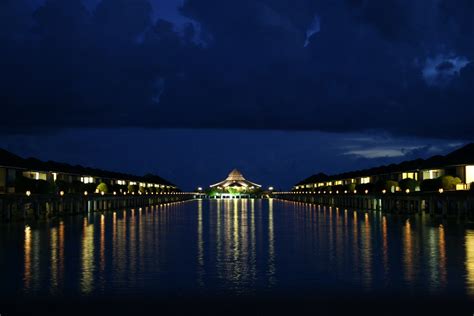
(384,191)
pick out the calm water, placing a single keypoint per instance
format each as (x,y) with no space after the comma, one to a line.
(236,247)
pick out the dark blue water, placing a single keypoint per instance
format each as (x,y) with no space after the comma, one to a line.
(236,247)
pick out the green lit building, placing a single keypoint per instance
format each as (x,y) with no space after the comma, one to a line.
(234,186)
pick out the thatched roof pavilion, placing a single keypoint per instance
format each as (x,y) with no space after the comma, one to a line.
(235,179)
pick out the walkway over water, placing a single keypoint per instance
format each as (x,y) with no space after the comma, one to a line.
(236,247)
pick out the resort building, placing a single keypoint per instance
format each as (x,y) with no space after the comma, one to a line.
(18,174)
(456,167)
(235,185)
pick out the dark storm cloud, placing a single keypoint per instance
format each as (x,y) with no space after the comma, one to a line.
(397,65)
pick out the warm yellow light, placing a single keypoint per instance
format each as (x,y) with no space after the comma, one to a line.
(407,191)
(96,190)
(199,189)
(366,191)
(330,192)
(28,193)
(345,191)
(115,193)
(355,191)
(319,192)
(61,193)
(102,193)
(85,193)
(270,188)
(337,192)
(384,191)
(441,190)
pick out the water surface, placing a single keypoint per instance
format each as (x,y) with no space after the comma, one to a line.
(236,247)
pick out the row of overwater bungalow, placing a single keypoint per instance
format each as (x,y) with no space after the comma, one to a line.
(459,164)
(13,167)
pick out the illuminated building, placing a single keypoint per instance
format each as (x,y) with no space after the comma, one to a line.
(459,164)
(14,168)
(235,185)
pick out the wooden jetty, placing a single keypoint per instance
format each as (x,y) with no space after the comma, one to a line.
(16,207)
(451,204)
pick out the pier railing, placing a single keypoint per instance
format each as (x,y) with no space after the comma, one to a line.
(459,204)
(14,207)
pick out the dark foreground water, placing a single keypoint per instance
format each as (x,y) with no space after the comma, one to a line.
(255,249)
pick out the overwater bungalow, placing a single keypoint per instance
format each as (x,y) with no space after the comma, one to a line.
(454,171)
(18,175)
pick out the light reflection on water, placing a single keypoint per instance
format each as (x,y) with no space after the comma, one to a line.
(238,247)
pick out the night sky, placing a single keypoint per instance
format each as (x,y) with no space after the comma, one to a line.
(280,89)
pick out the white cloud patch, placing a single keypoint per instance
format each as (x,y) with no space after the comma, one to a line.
(313,28)
(159,87)
(380,152)
(441,69)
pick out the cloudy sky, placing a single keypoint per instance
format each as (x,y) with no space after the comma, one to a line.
(190,89)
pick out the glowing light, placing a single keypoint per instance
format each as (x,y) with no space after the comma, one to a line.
(102,193)
(199,189)
(345,191)
(115,193)
(337,192)
(85,193)
(384,191)
(28,193)
(355,191)
(96,190)
(407,191)
(61,193)
(270,188)
(441,190)
(366,191)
